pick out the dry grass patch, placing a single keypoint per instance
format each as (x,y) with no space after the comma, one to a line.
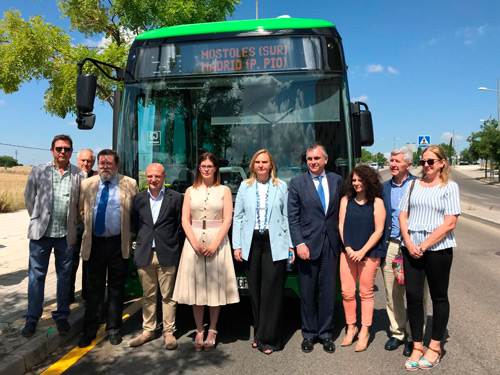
(12,184)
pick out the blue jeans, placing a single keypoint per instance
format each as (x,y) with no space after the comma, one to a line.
(38,264)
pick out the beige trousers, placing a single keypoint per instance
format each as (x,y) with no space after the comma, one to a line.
(395,297)
(150,276)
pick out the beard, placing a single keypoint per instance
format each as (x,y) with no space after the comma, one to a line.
(108,176)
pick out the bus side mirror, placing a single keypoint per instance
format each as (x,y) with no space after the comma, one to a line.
(85,95)
(362,127)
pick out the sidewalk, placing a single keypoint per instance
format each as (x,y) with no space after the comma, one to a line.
(17,353)
(468,208)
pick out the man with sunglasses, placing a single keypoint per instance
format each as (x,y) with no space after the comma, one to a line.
(51,197)
(393,190)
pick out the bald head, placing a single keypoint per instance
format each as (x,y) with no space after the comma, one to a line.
(85,160)
(155,176)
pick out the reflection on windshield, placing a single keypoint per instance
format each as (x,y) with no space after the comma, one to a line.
(234,117)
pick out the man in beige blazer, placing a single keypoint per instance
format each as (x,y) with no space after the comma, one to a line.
(105,202)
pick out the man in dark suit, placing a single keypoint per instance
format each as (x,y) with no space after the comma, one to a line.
(313,210)
(105,202)
(156,219)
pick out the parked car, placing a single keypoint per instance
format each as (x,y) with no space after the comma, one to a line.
(374,165)
(380,165)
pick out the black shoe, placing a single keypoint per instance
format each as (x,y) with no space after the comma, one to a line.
(115,338)
(393,343)
(307,345)
(328,345)
(62,326)
(85,341)
(72,299)
(408,348)
(29,329)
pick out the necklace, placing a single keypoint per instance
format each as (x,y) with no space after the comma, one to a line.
(263,228)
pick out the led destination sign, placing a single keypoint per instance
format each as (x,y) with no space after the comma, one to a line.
(230,56)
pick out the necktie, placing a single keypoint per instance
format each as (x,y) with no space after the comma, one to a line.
(100,218)
(321,193)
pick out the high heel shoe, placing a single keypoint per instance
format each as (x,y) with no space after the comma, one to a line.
(362,343)
(411,365)
(210,345)
(348,339)
(198,345)
(425,364)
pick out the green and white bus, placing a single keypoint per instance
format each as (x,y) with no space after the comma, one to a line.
(232,88)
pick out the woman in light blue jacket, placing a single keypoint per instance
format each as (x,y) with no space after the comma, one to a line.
(261,238)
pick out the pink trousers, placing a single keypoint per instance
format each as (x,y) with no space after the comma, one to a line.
(350,272)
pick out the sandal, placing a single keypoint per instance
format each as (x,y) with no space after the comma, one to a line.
(413,365)
(255,345)
(268,351)
(210,345)
(198,345)
(424,364)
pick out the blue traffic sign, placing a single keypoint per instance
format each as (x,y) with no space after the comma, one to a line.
(424,140)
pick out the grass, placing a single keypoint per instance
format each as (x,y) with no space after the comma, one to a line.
(12,184)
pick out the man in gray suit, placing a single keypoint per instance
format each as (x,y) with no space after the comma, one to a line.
(51,197)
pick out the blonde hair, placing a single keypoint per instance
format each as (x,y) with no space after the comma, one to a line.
(250,181)
(445,170)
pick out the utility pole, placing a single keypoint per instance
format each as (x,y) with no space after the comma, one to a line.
(256,9)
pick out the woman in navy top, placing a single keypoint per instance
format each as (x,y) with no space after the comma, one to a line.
(361,225)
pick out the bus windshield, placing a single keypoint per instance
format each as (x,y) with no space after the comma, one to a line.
(173,121)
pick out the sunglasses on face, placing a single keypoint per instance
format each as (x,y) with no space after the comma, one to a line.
(66,149)
(428,161)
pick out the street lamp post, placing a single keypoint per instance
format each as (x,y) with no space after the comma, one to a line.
(492,170)
(498,97)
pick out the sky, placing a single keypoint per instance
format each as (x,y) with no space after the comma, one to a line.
(417,65)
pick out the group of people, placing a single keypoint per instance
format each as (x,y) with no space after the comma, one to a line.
(182,246)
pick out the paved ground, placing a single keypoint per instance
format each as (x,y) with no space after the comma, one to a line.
(18,354)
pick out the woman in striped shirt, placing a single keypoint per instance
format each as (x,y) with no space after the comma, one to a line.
(428,214)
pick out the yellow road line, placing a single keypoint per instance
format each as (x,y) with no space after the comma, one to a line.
(75,354)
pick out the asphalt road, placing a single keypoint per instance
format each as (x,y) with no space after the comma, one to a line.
(477,193)
(472,345)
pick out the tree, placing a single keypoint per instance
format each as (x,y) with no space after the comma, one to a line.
(366,156)
(7,161)
(38,50)
(449,150)
(380,158)
(485,144)
(467,156)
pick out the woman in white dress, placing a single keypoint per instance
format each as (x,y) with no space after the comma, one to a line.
(206,274)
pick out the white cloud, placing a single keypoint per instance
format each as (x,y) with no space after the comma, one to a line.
(362,98)
(470,34)
(2,102)
(387,155)
(432,41)
(374,68)
(72,123)
(392,70)
(446,136)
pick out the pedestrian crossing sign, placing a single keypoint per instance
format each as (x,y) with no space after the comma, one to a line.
(424,141)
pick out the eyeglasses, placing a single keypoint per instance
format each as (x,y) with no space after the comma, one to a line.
(428,161)
(66,149)
(206,167)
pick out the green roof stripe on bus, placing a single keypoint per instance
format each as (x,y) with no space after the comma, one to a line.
(235,26)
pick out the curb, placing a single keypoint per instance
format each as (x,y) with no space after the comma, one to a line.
(40,347)
(481,220)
